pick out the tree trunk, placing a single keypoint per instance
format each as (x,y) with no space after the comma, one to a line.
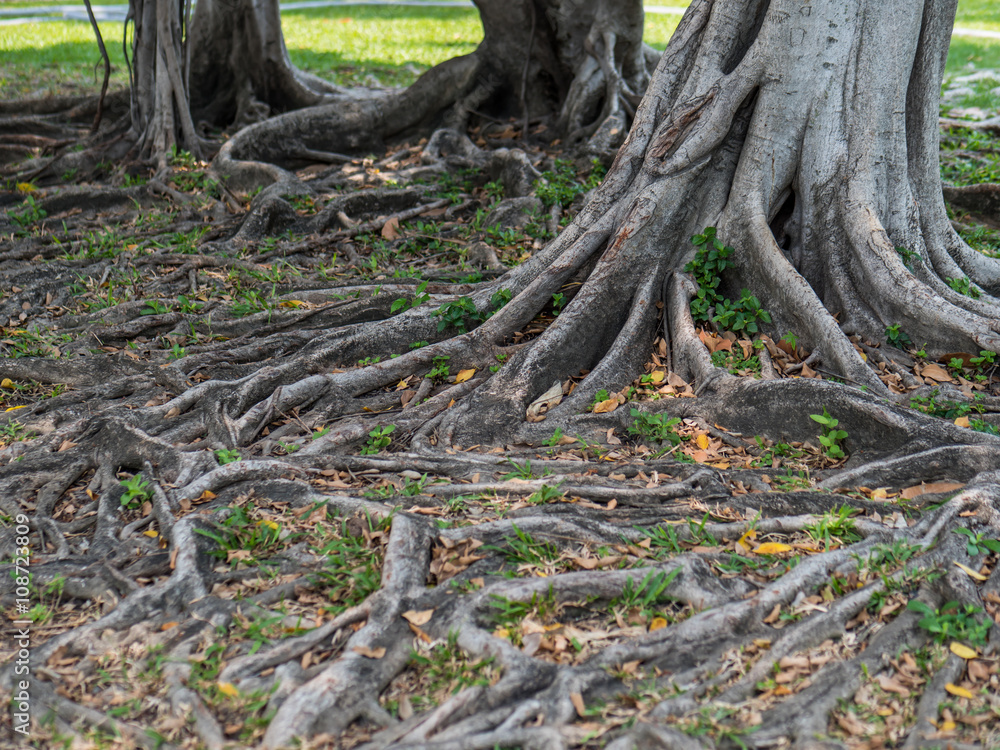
(579,63)
(240,69)
(812,145)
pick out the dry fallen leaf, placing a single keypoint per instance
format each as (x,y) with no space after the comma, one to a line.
(578,704)
(418,618)
(658,623)
(772,548)
(934,488)
(228,689)
(961,692)
(390,229)
(970,572)
(962,421)
(960,649)
(7,383)
(742,541)
(607,406)
(702,441)
(936,372)
(371,653)
(464,375)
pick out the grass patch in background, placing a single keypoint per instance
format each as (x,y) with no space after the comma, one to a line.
(352,45)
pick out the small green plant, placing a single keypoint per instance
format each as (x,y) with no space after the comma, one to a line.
(419,298)
(984,361)
(897,338)
(227,456)
(154,307)
(546,495)
(908,256)
(952,622)
(439,369)
(556,438)
(647,594)
(964,286)
(454,314)
(950,410)
(834,527)
(741,315)
(558,302)
(710,260)
(137,491)
(832,438)
(523,549)
(12,432)
(657,427)
(30,214)
(238,532)
(177,352)
(977,545)
(378,440)
(521,471)
(562,185)
(413,487)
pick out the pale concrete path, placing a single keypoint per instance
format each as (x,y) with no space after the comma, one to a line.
(14,16)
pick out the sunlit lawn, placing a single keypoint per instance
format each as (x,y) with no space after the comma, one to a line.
(349,45)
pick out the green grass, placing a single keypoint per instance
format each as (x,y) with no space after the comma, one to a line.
(349,45)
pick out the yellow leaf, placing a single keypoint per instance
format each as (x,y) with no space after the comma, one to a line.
(880,494)
(962,421)
(291,303)
(947,726)
(270,524)
(501,633)
(658,623)
(25,187)
(7,383)
(742,541)
(464,375)
(961,692)
(658,376)
(960,649)
(702,441)
(772,548)
(606,406)
(970,572)
(151,534)
(22,406)
(228,689)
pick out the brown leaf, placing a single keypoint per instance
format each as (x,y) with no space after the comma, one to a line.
(773,617)
(418,618)
(933,488)
(578,704)
(65,445)
(936,372)
(371,653)
(405,708)
(390,230)
(851,724)
(605,407)
(892,685)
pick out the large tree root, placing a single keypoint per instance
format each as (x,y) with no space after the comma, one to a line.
(326,544)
